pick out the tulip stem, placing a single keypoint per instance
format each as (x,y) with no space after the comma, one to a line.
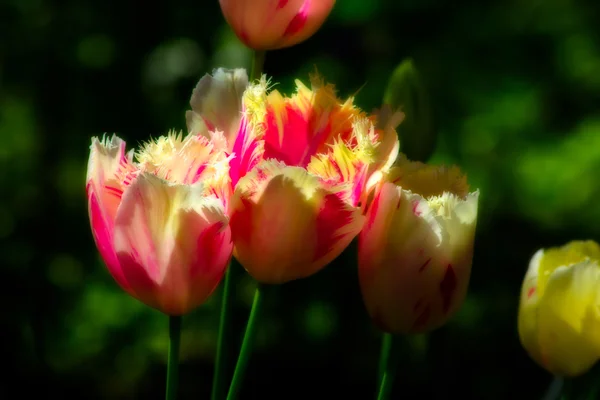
(173,357)
(247,343)
(384,355)
(258,60)
(387,367)
(555,389)
(220,364)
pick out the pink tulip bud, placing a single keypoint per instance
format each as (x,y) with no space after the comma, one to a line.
(275,24)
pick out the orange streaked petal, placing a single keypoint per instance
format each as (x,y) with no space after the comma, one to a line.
(305,124)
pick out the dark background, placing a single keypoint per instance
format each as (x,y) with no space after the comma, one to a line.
(515,88)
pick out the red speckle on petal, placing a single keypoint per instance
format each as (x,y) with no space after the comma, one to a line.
(296,24)
(398,204)
(115,191)
(422,318)
(530,292)
(261,175)
(209,125)
(447,287)
(378,320)
(418,304)
(425,264)
(337,168)
(281,4)
(415,206)
(332,216)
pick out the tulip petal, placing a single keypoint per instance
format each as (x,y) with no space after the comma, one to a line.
(107,163)
(217,103)
(568,313)
(301,126)
(528,319)
(172,242)
(248,151)
(286,225)
(306,21)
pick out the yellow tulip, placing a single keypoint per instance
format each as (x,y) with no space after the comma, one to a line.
(559,312)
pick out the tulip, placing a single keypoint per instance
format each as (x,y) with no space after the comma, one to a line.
(275,24)
(559,311)
(301,205)
(161,223)
(415,250)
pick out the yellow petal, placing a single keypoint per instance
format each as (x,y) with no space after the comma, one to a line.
(569,319)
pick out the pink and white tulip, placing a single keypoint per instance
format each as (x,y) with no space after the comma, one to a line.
(275,24)
(160,223)
(416,248)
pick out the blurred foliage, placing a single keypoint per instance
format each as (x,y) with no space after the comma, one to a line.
(515,91)
(405,91)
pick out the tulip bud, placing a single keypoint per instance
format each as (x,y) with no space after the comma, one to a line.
(559,311)
(275,24)
(406,91)
(416,248)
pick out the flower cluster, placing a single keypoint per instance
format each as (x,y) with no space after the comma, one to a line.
(284,183)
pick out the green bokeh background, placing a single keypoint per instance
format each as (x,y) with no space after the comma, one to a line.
(515,89)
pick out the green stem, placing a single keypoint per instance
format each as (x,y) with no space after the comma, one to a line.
(247,343)
(555,389)
(258,61)
(173,357)
(388,363)
(220,364)
(384,355)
